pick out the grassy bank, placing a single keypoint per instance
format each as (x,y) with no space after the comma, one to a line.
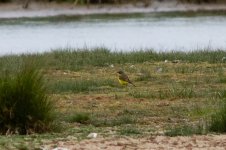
(173,89)
(75,59)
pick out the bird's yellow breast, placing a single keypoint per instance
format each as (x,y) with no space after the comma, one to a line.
(122,82)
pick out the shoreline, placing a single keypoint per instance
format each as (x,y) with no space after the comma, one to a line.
(14,10)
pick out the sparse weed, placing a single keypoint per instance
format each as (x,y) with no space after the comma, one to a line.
(222,94)
(184,68)
(221,76)
(186,130)
(129,130)
(145,75)
(143,94)
(79,85)
(186,92)
(180,131)
(22,147)
(110,122)
(83,118)
(176,92)
(218,119)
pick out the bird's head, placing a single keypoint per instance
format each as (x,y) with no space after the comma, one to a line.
(120,72)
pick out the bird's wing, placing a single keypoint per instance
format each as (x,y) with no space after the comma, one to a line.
(124,78)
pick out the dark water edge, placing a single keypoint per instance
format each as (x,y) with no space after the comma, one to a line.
(112,17)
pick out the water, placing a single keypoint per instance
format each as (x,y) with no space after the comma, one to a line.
(126,34)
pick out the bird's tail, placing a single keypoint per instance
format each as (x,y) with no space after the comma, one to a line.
(132,84)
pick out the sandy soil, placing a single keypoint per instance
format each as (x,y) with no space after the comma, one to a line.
(15,10)
(208,142)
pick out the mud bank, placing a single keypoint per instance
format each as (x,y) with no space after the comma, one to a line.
(15,10)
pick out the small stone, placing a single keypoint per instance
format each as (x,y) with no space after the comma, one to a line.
(112,66)
(92,135)
(159,70)
(132,66)
(176,61)
(71,138)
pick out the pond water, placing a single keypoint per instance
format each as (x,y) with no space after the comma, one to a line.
(117,34)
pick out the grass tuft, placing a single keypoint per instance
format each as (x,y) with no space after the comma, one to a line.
(83,118)
(186,130)
(24,105)
(218,120)
(129,130)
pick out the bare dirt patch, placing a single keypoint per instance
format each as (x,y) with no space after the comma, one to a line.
(216,142)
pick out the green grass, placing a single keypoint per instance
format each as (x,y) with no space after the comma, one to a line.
(111,122)
(24,104)
(185,130)
(79,85)
(83,118)
(221,76)
(170,92)
(218,119)
(74,59)
(129,130)
(181,92)
(143,94)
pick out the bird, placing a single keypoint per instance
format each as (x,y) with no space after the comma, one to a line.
(123,78)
